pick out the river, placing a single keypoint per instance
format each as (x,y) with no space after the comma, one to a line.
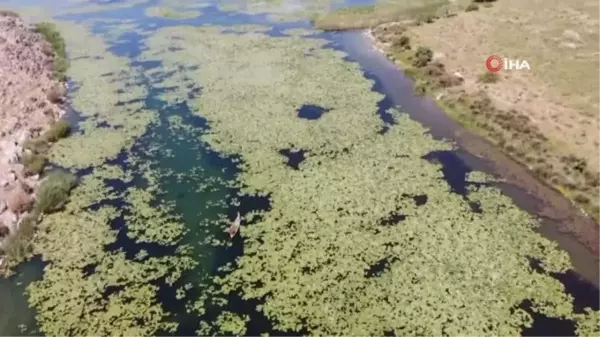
(184,121)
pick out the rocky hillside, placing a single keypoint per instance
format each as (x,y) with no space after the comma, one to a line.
(30,101)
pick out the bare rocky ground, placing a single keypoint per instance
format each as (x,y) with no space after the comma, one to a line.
(30,100)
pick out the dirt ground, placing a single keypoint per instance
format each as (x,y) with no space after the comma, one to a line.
(560,41)
(546,117)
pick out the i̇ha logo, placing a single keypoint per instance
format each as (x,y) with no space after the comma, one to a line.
(495,63)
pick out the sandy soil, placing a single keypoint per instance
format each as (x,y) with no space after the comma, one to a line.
(560,41)
(546,118)
(26,79)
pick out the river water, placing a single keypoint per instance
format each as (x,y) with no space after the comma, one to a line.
(172,144)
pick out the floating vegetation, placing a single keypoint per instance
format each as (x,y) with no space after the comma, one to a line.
(232,324)
(247,28)
(448,270)
(148,223)
(77,8)
(116,99)
(75,239)
(88,289)
(280,10)
(298,32)
(170,13)
(480,177)
(186,3)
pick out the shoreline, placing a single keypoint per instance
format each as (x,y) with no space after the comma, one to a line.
(570,218)
(32,104)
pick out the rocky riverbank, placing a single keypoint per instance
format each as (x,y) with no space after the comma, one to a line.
(30,101)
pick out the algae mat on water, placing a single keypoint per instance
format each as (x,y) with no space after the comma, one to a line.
(365,237)
(87,289)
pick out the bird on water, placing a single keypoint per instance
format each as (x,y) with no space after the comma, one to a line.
(234,227)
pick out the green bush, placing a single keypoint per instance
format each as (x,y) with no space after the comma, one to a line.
(17,247)
(34,163)
(489,77)
(54,191)
(51,34)
(401,42)
(27,225)
(58,130)
(36,145)
(423,56)
(411,73)
(421,87)
(427,18)
(472,7)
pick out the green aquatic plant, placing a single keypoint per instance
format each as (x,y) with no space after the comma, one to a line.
(334,256)
(479,177)
(279,10)
(170,13)
(68,300)
(149,223)
(76,238)
(82,7)
(53,36)
(299,32)
(185,3)
(232,324)
(110,92)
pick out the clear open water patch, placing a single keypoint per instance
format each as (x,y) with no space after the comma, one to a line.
(295,157)
(311,111)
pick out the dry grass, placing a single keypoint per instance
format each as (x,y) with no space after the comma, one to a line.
(368,16)
(546,118)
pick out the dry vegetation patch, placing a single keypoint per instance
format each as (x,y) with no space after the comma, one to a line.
(547,118)
(358,17)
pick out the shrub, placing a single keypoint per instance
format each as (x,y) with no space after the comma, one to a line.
(447,80)
(27,225)
(434,69)
(472,7)
(36,145)
(489,77)
(4,231)
(34,163)
(5,12)
(423,56)
(421,87)
(17,248)
(58,130)
(51,34)
(56,93)
(426,18)
(411,73)
(54,191)
(401,42)
(581,199)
